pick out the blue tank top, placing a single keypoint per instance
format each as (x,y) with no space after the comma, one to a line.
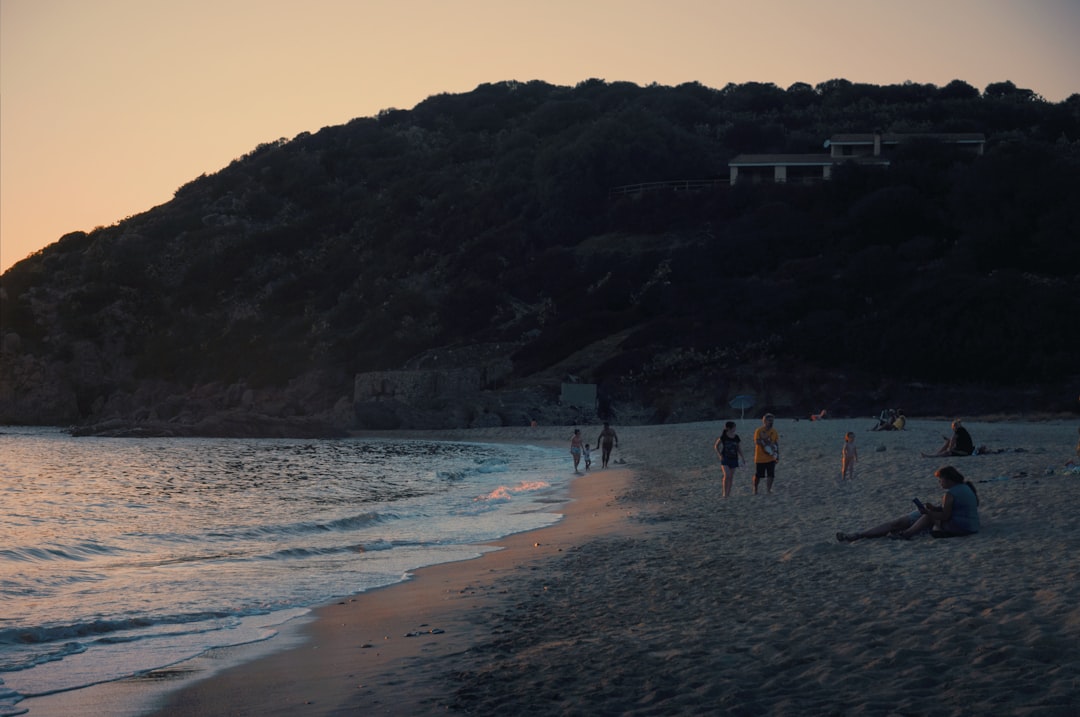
(965,509)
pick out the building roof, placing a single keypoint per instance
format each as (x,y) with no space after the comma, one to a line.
(897,137)
(760,160)
(790,160)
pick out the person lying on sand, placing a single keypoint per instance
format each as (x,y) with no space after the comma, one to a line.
(957,515)
(958,444)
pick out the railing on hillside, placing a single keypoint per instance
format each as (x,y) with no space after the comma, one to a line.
(674,185)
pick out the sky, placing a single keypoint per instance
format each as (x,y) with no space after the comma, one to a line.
(108,106)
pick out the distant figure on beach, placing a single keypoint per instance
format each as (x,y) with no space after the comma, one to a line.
(586,455)
(766,453)
(818,416)
(900,422)
(606,440)
(575,448)
(886,420)
(958,444)
(730,452)
(957,515)
(849,456)
(1074,463)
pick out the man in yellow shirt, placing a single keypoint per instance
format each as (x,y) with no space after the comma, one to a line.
(766,453)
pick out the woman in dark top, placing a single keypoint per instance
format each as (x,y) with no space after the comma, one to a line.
(730,452)
(958,444)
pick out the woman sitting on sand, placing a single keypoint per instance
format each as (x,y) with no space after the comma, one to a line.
(958,444)
(957,515)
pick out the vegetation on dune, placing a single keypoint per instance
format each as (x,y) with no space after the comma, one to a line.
(488,218)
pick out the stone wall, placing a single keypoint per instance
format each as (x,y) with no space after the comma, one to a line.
(421,387)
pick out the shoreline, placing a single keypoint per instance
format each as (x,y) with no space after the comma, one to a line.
(666,598)
(357,654)
(375,633)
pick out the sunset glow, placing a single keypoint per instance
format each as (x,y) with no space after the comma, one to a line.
(108,106)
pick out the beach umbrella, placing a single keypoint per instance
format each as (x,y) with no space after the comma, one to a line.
(742,403)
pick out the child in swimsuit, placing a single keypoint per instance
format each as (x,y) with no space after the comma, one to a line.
(575,448)
(848,457)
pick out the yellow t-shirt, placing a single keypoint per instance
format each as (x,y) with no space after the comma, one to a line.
(771,436)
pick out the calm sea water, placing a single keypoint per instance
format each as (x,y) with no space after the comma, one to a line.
(119,556)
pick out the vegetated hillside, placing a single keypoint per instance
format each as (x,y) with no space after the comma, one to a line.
(482,225)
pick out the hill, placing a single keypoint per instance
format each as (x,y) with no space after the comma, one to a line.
(455,263)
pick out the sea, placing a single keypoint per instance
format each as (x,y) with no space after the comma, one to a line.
(120,556)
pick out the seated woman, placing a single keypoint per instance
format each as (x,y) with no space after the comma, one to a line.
(885,420)
(958,444)
(957,515)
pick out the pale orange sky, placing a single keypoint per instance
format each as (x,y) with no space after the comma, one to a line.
(108,106)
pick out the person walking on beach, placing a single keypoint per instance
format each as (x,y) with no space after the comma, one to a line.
(730,452)
(575,448)
(766,453)
(849,456)
(606,440)
(586,454)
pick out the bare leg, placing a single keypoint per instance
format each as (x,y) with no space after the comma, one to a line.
(729,480)
(945,450)
(880,531)
(923,523)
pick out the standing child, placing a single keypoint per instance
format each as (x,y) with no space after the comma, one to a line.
(848,457)
(585,454)
(576,445)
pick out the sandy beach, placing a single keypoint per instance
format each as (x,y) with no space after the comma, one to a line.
(657,596)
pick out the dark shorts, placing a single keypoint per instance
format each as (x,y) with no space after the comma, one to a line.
(765,470)
(730,462)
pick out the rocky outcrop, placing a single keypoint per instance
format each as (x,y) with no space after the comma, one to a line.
(431,398)
(34,390)
(416,387)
